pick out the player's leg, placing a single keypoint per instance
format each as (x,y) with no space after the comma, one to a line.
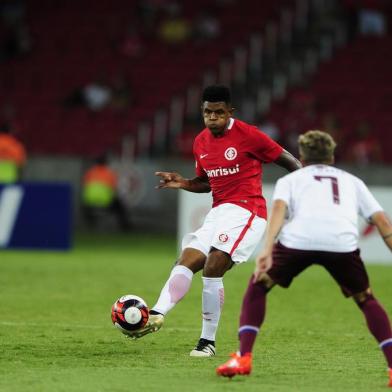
(175,288)
(378,324)
(237,233)
(179,281)
(253,312)
(251,318)
(216,265)
(195,247)
(350,273)
(287,263)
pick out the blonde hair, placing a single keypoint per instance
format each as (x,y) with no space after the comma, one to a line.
(316,147)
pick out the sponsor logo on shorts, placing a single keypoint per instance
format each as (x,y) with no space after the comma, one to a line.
(231,153)
(223,237)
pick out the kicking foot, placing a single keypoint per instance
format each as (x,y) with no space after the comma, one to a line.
(154,324)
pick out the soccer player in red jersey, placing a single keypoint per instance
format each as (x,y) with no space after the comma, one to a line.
(322,203)
(229,154)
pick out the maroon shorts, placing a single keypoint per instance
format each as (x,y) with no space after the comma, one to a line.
(347,269)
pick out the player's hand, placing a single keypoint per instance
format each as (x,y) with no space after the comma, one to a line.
(263,264)
(170,180)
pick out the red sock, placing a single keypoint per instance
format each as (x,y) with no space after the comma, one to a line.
(252,315)
(386,347)
(379,325)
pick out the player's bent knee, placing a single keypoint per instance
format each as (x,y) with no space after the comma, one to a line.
(362,297)
(266,282)
(192,259)
(218,262)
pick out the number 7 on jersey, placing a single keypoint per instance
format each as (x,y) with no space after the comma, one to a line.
(334,184)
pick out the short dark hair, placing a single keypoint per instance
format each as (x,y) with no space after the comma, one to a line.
(217,93)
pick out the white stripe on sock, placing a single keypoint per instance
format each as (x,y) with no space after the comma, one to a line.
(248,327)
(386,341)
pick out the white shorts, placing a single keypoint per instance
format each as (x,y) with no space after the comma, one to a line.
(229,228)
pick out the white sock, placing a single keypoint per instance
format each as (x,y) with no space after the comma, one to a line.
(175,289)
(213,299)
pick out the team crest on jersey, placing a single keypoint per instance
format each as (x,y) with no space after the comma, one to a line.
(230,153)
(223,237)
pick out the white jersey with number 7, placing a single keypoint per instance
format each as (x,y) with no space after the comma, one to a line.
(323,206)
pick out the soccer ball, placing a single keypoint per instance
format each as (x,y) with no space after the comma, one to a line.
(129,313)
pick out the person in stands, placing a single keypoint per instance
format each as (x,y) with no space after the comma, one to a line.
(12,156)
(99,194)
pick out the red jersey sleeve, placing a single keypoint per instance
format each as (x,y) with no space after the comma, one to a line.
(262,146)
(198,167)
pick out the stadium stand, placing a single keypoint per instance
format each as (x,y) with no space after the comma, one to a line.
(74,42)
(355,85)
(351,89)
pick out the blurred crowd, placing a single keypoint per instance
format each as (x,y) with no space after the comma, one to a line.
(303,112)
(165,20)
(164,23)
(367,17)
(15,36)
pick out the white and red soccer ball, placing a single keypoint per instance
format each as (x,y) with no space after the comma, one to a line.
(130,313)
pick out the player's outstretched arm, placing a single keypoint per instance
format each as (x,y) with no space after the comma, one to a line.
(288,161)
(275,223)
(384,227)
(174,180)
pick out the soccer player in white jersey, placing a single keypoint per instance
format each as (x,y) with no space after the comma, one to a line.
(322,205)
(229,154)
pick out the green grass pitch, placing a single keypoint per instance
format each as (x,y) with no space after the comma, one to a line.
(56,333)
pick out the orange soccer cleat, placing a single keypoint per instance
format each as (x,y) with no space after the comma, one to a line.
(236,365)
(390,378)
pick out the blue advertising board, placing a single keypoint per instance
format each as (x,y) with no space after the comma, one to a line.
(35,215)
